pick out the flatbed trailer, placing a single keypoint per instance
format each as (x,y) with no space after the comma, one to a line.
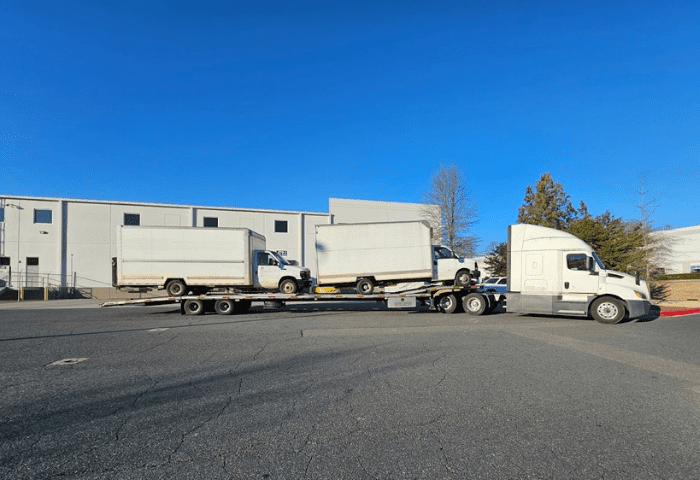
(446,299)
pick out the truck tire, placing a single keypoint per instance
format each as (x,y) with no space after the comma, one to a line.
(194,307)
(224,307)
(175,288)
(475,304)
(365,286)
(607,310)
(493,303)
(463,279)
(447,303)
(288,286)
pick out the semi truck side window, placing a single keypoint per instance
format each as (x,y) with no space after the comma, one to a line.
(576,261)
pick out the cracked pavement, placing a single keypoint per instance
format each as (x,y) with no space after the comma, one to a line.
(310,392)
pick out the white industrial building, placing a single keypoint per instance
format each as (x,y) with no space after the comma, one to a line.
(684,248)
(64,242)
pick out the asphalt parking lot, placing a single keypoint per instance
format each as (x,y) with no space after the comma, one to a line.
(324,391)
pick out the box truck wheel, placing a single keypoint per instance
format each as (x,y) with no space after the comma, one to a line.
(607,310)
(288,286)
(176,288)
(463,279)
(447,303)
(475,304)
(365,286)
(224,307)
(194,307)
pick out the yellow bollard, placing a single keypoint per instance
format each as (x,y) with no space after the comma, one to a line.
(46,294)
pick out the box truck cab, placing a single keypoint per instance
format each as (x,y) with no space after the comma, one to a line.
(450,268)
(553,272)
(272,272)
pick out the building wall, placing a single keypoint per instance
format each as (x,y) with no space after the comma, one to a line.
(685,249)
(76,248)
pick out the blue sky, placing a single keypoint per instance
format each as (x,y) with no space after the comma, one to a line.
(281,105)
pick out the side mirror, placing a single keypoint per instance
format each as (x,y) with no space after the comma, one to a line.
(636,278)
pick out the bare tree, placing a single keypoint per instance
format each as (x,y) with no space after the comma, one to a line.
(656,247)
(451,210)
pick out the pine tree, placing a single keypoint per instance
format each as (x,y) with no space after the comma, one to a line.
(548,205)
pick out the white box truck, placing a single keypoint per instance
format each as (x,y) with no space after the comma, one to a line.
(367,255)
(552,272)
(197,259)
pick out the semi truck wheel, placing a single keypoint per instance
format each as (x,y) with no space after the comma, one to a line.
(194,307)
(447,303)
(288,286)
(224,307)
(607,310)
(176,288)
(365,286)
(474,304)
(463,279)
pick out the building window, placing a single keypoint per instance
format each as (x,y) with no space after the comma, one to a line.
(132,219)
(211,222)
(32,261)
(4,261)
(280,226)
(2,214)
(42,216)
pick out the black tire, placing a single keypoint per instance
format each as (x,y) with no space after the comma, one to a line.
(289,286)
(475,303)
(447,303)
(194,307)
(463,279)
(176,288)
(365,286)
(241,306)
(607,310)
(224,307)
(493,303)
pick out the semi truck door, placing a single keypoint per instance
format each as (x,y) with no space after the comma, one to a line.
(576,276)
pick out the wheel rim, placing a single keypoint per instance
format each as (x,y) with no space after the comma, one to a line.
(224,307)
(446,303)
(287,287)
(193,307)
(463,279)
(607,310)
(474,305)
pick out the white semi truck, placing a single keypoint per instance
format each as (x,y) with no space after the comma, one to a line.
(551,272)
(197,260)
(367,255)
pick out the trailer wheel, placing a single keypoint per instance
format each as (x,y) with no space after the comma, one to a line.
(224,307)
(176,288)
(365,286)
(447,303)
(474,304)
(194,307)
(463,279)
(289,286)
(607,310)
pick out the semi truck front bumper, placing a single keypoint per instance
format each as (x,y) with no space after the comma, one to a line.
(638,308)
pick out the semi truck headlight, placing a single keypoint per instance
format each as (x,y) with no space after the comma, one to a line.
(640,295)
